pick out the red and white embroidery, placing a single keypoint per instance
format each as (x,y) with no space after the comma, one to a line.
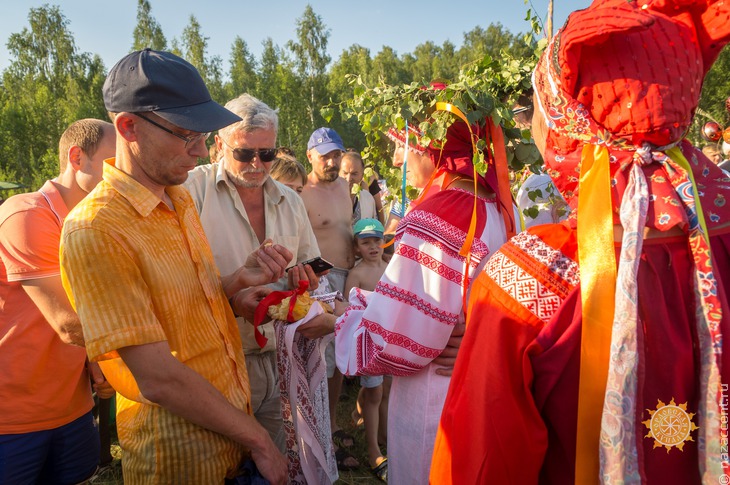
(380,363)
(428,261)
(413,300)
(537,298)
(427,223)
(401,340)
(553,259)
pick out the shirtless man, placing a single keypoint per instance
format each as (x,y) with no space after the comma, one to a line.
(327,199)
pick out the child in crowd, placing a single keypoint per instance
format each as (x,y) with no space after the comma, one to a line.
(287,170)
(368,242)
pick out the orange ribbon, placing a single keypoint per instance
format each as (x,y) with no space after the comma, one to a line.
(597,258)
(503,193)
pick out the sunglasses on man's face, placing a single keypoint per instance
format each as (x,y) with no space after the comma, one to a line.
(246,155)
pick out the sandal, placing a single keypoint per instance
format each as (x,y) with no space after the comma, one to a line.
(342,456)
(381,471)
(341,438)
(357,419)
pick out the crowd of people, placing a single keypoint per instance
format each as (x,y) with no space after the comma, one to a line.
(582,345)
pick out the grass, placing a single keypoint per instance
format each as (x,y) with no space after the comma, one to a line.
(359,476)
(112,474)
(345,406)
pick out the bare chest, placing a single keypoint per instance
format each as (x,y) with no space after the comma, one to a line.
(329,209)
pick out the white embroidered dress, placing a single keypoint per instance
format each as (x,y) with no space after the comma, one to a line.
(404,324)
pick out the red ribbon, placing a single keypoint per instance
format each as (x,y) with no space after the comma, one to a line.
(274,298)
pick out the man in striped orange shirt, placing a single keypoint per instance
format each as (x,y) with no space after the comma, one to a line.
(155,311)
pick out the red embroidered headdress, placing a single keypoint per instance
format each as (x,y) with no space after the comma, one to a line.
(627,75)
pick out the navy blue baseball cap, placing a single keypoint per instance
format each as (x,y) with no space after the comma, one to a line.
(167,85)
(325,140)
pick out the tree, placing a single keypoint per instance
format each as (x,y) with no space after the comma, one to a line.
(242,74)
(268,73)
(354,60)
(493,41)
(280,87)
(716,89)
(47,85)
(148,32)
(311,59)
(175,47)
(195,47)
(420,63)
(388,69)
(429,62)
(446,65)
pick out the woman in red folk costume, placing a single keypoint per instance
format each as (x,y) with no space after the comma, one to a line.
(402,326)
(593,348)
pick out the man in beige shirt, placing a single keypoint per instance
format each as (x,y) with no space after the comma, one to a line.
(240,207)
(329,207)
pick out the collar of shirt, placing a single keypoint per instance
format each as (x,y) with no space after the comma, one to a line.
(139,196)
(50,192)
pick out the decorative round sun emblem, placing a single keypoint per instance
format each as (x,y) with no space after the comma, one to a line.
(670,425)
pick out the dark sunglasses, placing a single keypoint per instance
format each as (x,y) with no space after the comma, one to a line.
(246,155)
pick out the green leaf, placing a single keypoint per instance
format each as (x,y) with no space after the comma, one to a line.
(327,113)
(523,151)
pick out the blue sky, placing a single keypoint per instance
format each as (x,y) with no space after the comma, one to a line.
(105,27)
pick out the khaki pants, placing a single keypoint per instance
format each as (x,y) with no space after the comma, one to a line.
(265,396)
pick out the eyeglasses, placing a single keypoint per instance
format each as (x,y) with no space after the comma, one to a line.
(189,140)
(246,155)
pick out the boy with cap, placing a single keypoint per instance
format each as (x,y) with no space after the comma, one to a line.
(167,338)
(368,243)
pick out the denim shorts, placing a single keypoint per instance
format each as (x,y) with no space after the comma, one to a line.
(370,381)
(64,456)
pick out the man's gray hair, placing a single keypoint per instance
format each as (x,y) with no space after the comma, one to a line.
(255,114)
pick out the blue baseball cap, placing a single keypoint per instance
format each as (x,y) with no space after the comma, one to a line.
(167,85)
(325,140)
(368,228)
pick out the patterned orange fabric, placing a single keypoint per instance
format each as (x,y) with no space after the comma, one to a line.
(510,413)
(139,273)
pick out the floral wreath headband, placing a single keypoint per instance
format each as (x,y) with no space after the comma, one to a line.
(413,141)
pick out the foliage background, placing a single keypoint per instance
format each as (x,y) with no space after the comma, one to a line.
(48,83)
